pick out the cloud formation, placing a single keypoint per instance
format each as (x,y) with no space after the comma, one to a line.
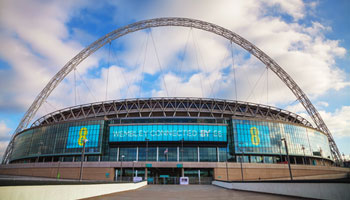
(5,136)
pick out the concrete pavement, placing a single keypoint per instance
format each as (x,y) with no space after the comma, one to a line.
(180,192)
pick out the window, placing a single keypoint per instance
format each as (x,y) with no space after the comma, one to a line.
(208,154)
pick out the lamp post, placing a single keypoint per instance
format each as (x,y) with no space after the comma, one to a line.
(133,169)
(121,168)
(279,145)
(290,170)
(321,156)
(82,160)
(227,166)
(304,160)
(241,149)
(182,150)
(39,150)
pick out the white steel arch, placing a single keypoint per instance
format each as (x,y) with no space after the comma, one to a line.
(184,22)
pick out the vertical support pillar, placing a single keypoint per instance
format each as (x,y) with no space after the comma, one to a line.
(182,171)
(137,153)
(146,174)
(117,154)
(198,159)
(178,154)
(218,154)
(199,176)
(157,154)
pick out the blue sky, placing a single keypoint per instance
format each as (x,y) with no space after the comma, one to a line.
(309,39)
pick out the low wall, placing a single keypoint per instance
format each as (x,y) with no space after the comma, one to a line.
(257,172)
(332,191)
(105,171)
(59,192)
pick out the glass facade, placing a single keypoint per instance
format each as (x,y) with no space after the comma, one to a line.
(59,139)
(168,154)
(262,137)
(253,140)
(208,154)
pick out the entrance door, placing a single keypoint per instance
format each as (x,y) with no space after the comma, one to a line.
(164,175)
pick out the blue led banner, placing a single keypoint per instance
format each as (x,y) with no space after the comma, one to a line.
(77,134)
(168,132)
(253,135)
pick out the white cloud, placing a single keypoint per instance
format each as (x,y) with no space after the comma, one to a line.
(295,8)
(3,146)
(303,51)
(322,104)
(338,122)
(5,136)
(40,46)
(4,131)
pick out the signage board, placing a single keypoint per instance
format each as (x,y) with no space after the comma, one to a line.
(77,135)
(253,135)
(137,179)
(148,165)
(184,181)
(179,165)
(168,132)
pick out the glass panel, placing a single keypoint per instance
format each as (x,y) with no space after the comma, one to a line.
(222,154)
(190,154)
(127,154)
(207,154)
(152,154)
(168,154)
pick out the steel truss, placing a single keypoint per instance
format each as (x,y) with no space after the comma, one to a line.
(171,107)
(184,22)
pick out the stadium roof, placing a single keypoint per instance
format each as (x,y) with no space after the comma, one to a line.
(170,107)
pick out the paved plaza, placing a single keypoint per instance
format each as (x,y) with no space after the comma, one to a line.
(178,192)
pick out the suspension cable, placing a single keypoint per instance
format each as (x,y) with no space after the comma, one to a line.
(81,77)
(255,84)
(139,61)
(75,88)
(51,105)
(123,74)
(262,97)
(267,86)
(143,65)
(222,63)
(200,77)
(109,53)
(204,65)
(160,66)
(234,71)
(183,57)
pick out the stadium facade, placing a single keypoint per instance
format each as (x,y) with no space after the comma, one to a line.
(185,135)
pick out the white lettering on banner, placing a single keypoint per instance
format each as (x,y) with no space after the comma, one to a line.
(153,133)
(175,133)
(194,133)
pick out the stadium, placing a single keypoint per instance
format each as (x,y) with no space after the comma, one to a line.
(163,139)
